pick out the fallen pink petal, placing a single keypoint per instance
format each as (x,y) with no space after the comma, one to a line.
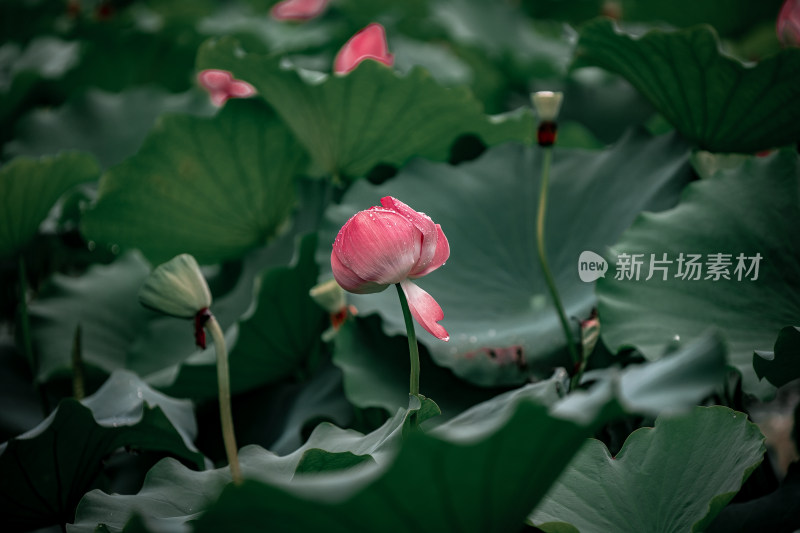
(221,86)
(369,43)
(788,24)
(298,10)
(392,244)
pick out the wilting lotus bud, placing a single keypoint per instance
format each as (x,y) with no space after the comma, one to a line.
(176,288)
(329,295)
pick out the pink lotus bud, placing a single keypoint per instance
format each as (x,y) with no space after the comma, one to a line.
(392,244)
(221,86)
(369,43)
(298,9)
(788,25)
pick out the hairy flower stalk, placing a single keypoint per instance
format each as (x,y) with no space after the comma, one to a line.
(178,288)
(547,106)
(393,244)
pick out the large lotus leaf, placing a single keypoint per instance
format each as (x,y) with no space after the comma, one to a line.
(497,310)
(727,16)
(116,56)
(372,115)
(782,365)
(320,398)
(749,210)
(481,471)
(16,390)
(241,21)
(118,332)
(376,367)
(91,122)
(43,58)
(623,107)
(29,188)
(776,511)
(47,470)
(501,31)
(673,383)
(699,459)
(213,188)
(713,100)
(168,506)
(437,58)
(19,21)
(277,337)
(465,472)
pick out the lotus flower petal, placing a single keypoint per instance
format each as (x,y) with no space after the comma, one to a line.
(425,226)
(424,309)
(378,246)
(389,244)
(221,85)
(369,43)
(298,9)
(788,24)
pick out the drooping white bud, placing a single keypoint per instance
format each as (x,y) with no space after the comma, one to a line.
(176,288)
(329,295)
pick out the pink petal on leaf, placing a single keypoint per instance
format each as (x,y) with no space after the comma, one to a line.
(214,80)
(788,24)
(240,89)
(378,245)
(218,98)
(369,43)
(425,310)
(298,9)
(221,86)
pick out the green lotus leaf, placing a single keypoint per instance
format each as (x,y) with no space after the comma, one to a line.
(503,328)
(91,122)
(701,459)
(713,100)
(47,470)
(213,188)
(30,187)
(372,115)
(752,211)
(781,365)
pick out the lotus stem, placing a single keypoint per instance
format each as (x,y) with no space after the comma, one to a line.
(226,416)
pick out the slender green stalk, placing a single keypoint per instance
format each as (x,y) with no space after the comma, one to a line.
(548,276)
(413,350)
(24,319)
(78,388)
(25,332)
(226,417)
